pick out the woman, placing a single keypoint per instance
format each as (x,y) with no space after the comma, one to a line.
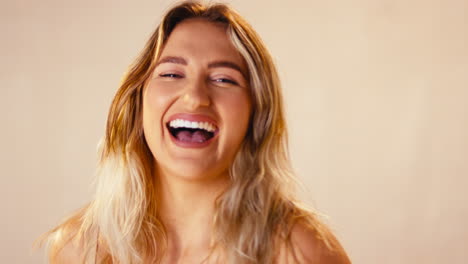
(194,165)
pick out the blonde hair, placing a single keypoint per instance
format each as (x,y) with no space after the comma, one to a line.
(258,208)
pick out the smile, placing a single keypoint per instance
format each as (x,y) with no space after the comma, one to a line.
(189,132)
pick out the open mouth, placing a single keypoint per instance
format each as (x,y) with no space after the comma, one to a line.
(191,132)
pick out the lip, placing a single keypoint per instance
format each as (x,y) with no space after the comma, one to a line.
(193,118)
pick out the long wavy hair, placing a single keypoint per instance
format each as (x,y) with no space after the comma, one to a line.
(258,208)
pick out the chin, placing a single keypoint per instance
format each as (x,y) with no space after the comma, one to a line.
(194,171)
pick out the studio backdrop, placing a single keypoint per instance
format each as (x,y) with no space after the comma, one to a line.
(376,98)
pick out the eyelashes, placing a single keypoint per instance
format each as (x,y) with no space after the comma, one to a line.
(171,75)
(225,80)
(216,80)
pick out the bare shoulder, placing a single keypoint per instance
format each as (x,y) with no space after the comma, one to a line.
(311,246)
(69,253)
(65,243)
(65,246)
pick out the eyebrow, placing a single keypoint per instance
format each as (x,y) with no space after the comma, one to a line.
(228,64)
(172,59)
(214,64)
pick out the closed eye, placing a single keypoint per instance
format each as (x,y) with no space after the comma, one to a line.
(224,80)
(170,75)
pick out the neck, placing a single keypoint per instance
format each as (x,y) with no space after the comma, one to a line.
(186,208)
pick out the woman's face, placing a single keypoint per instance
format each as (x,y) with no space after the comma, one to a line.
(196,106)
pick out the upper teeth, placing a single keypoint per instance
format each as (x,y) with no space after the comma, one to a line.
(190,124)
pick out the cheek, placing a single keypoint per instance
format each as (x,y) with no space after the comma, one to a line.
(154,96)
(154,105)
(237,109)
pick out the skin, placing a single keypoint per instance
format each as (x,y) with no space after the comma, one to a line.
(307,248)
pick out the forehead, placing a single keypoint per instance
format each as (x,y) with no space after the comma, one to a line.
(200,39)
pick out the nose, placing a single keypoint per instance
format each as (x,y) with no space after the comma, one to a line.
(196,94)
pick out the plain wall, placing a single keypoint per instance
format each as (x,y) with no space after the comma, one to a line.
(376,97)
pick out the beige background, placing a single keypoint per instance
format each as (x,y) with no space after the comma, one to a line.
(376,94)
